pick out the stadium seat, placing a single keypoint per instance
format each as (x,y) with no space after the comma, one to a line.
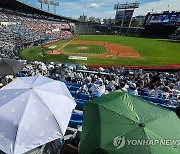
(145,98)
(78,85)
(172,108)
(68,83)
(79,106)
(80,100)
(73,93)
(73,88)
(76,119)
(83,96)
(20,74)
(161,101)
(96,96)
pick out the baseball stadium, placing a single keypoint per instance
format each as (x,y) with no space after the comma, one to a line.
(89,84)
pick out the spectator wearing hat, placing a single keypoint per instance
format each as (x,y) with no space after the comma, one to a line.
(132,89)
(98,89)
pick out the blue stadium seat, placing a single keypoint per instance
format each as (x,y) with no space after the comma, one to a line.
(162,101)
(78,85)
(20,74)
(73,88)
(73,93)
(152,99)
(81,100)
(96,96)
(172,108)
(68,83)
(145,98)
(83,96)
(156,100)
(76,119)
(79,106)
(142,93)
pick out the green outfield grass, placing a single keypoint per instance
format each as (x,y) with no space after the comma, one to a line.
(85,48)
(154,52)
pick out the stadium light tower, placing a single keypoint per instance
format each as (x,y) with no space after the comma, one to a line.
(41,2)
(54,4)
(47,2)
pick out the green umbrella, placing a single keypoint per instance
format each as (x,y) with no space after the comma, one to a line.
(122,123)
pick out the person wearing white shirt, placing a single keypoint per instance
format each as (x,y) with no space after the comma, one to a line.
(98,89)
(132,89)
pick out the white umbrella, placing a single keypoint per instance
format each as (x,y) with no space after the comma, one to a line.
(33,111)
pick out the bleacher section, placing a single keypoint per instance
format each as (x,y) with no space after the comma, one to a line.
(86,29)
(81,98)
(18,31)
(161,24)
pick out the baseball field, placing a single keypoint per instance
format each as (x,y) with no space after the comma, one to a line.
(108,50)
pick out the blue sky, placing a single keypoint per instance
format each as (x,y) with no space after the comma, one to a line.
(104,8)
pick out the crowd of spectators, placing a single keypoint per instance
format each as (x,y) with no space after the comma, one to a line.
(18,31)
(136,82)
(98,82)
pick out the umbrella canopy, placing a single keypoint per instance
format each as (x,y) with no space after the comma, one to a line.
(111,121)
(10,66)
(33,111)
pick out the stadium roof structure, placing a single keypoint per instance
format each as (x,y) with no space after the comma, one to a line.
(164,12)
(17,5)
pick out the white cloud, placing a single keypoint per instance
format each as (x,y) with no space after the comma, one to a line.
(105,7)
(102,14)
(93,5)
(159,6)
(69,6)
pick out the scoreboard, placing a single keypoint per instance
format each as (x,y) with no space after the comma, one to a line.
(166,19)
(125,15)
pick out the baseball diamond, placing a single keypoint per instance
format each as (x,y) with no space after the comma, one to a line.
(111,50)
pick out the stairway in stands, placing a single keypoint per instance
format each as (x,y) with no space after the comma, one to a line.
(175,35)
